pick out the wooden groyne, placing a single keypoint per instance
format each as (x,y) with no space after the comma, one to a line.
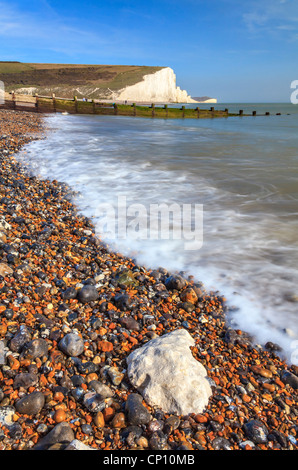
(43,104)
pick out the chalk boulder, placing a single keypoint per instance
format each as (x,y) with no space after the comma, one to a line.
(168,376)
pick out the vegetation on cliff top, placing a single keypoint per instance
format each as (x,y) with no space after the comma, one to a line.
(81,80)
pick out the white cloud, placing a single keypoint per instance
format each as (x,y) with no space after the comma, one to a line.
(271,17)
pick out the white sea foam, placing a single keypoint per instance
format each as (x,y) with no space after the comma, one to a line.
(248,252)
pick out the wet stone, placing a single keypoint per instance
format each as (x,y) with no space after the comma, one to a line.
(175,282)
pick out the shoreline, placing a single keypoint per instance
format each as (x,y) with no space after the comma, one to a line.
(50,253)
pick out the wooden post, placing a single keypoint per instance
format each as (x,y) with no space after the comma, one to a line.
(134,109)
(267,113)
(115,109)
(167,111)
(13,97)
(241,112)
(212,109)
(254,113)
(36,103)
(227,111)
(153,109)
(54,102)
(183,111)
(75,103)
(198,112)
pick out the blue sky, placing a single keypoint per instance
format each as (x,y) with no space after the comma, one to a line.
(233,50)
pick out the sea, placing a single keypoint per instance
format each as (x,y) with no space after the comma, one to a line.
(238,177)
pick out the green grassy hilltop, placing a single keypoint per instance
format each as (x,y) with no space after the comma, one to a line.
(67,80)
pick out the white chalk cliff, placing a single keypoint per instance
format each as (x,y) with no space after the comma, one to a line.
(158,87)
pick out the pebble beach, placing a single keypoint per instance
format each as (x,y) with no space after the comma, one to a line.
(72,311)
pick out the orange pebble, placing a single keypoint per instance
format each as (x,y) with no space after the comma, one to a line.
(60,416)
(108,413)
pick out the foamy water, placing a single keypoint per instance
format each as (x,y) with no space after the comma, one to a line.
(244,171)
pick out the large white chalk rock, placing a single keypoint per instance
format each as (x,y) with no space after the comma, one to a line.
(165,372)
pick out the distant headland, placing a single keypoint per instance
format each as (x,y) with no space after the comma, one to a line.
(99,82)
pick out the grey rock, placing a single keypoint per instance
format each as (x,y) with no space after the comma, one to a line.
(70,293)
(129,323)
(94,402)
(19,340)
(123,301)
(36,348)
(72,345)
(31,404)
(231,336)
(133,431)
(158,441)
(100,388)
(278,436)
(171,424)
(243,444)
(289,378)
(137,413)
(25,380)
(88,294)
(220,443)
(256,431)
(175,282)
(60,434)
